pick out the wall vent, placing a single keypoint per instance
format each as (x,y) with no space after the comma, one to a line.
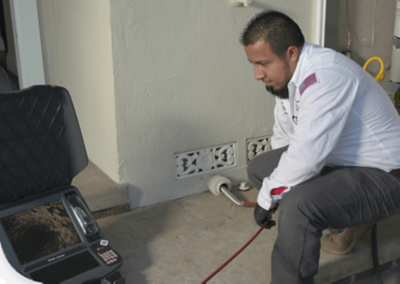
(203,161)
(257,146)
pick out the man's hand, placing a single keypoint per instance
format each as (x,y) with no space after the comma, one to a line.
(261,215)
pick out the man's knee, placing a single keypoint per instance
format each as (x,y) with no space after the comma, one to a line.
(263,165)
(252,174)
(296,197)
(252,167)
(296,206)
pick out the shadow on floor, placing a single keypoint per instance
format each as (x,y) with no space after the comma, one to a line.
(133,235)
(185,240)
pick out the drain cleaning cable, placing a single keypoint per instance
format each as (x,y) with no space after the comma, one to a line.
(217,185)
(236,254)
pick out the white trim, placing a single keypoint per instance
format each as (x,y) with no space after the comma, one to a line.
(320,19)
(28,48)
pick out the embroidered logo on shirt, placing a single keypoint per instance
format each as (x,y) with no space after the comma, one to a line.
(310,80)
(283,108)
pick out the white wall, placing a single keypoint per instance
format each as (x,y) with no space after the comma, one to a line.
(183,82)
(11,58)
(76,42)
(25,26)
(371,30)
(150,79)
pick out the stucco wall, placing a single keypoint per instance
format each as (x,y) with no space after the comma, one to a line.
(76,41)
(371,30)
(183,82)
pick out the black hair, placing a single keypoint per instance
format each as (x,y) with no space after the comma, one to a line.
(274,27)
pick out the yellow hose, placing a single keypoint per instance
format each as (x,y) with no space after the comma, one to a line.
(380,74)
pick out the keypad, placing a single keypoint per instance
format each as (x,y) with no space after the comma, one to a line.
(107,254)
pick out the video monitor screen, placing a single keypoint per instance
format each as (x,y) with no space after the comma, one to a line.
(40,231)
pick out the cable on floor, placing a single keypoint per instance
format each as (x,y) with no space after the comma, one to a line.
(237,253)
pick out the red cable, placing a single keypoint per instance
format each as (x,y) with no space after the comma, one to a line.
(236,254)
(250,203)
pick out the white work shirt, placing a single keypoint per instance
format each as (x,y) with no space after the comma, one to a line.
(340,117)
(8,275)
(284,124)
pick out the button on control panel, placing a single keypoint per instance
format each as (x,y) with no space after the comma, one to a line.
(106,253)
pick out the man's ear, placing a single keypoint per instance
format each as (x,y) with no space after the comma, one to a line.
(293,53)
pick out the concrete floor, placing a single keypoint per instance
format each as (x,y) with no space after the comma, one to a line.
(100,192)
(185,240)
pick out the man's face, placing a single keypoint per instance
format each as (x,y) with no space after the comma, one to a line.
(274,71)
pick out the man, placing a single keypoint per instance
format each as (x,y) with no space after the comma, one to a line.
(337,145)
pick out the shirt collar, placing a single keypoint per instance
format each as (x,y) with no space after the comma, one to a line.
(299,66)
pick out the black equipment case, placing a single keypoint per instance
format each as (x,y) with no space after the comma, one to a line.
(47,232)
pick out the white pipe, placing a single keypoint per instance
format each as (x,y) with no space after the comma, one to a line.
(228,194)
(219,184)
(397,21)
(395,69)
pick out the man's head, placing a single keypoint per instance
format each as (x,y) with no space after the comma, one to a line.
(273,44)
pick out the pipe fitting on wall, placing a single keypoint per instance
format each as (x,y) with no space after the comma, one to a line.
(217,182)
(238,3)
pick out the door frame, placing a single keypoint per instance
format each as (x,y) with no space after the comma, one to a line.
(28,47)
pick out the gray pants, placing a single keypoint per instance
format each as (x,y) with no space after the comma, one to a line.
(338,197)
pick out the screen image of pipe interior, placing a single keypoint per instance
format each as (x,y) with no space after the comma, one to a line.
(47,226)
(47,231)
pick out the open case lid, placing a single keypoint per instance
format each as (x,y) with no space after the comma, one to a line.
(41,145)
